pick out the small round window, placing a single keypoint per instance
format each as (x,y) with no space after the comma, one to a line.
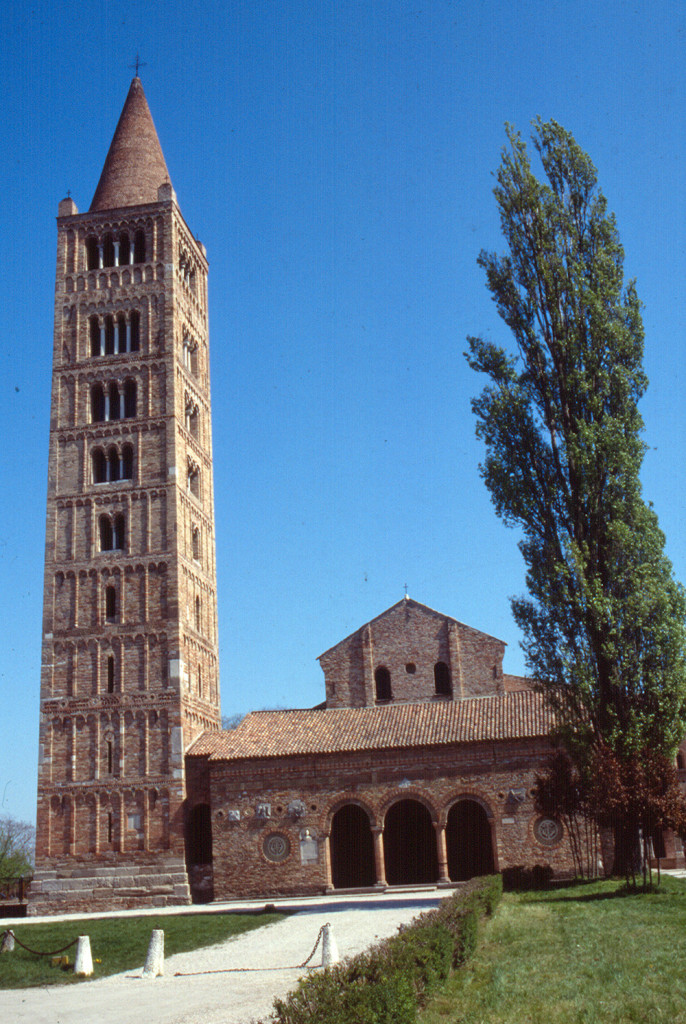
(548,831)
(410,668)
(276,847)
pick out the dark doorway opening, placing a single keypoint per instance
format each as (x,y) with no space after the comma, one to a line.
(352,849)
(468,838)
(410,845)
(199,836)
(199,854)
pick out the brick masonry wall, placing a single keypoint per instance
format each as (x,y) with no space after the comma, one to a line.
(124,692)
(486,773)
(408,640)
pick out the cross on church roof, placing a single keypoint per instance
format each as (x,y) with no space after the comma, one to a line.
(139,64)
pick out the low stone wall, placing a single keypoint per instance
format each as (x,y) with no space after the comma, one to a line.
(76,888)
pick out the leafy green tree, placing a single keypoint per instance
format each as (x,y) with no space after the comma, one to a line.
(603,622)
(16,848)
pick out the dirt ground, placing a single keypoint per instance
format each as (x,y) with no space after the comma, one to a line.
(244,974)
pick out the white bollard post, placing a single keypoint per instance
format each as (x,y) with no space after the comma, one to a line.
(7,945)
(329,947)
(154,961)
(83,962)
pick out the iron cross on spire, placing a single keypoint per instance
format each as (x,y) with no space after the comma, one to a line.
(139,64)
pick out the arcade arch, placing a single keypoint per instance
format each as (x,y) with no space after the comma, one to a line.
(410,844)
(469,841)
(352,848)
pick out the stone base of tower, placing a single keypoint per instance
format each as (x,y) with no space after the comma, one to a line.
(104,886)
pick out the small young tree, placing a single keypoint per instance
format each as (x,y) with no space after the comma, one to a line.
(17,840)
(562,793)
(603,623)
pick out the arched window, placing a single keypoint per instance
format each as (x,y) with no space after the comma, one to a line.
(112,464)
(109,335)
(193,479)
(114,410)
(135,327)
(195,539)
(110,770)
(120,333)
(124,249)
(119,532)
(94,332)
(192,418)
(190,355)
(130,399)
(442,679)
(198,613)
(382,681)
(97,404)
(139,247)
(110,604)
(92,253)
(107,251)
(110,673)
(679,760)
(106,536)
(127,462)
(99,463)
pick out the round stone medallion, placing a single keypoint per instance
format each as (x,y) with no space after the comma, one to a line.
(276,847)
(548,832)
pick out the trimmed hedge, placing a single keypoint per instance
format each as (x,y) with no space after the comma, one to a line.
(389,982)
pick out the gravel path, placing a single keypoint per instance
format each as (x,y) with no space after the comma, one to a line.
(260,961)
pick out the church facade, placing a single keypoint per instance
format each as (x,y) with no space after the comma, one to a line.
(418,767)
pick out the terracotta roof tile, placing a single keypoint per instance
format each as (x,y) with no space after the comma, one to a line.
(520,715)
(134,167)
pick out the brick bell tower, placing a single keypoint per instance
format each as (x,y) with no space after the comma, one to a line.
(129,658)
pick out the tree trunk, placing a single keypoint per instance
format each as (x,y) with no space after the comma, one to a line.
(627,859)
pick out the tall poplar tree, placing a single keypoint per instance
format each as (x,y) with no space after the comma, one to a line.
(603,622)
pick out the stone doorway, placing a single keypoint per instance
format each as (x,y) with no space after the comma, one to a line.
(410,845)
(469,841)
(352,849)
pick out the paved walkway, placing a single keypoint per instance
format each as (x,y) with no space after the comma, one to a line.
(260,964)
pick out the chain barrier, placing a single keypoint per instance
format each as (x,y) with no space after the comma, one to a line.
(38,952)
(234,970)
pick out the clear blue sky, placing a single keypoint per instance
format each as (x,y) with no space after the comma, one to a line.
(336,159)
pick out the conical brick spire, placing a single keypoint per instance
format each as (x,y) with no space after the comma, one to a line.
(134,168)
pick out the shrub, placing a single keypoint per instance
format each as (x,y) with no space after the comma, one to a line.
(521,879)
(388,982)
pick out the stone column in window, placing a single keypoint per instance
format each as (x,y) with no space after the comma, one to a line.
(100,256)
(442,851)
(116,252)
(128,333)
(328,880)
(379,857)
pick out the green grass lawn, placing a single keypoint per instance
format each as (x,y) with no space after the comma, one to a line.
(120,943)
(587,954)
